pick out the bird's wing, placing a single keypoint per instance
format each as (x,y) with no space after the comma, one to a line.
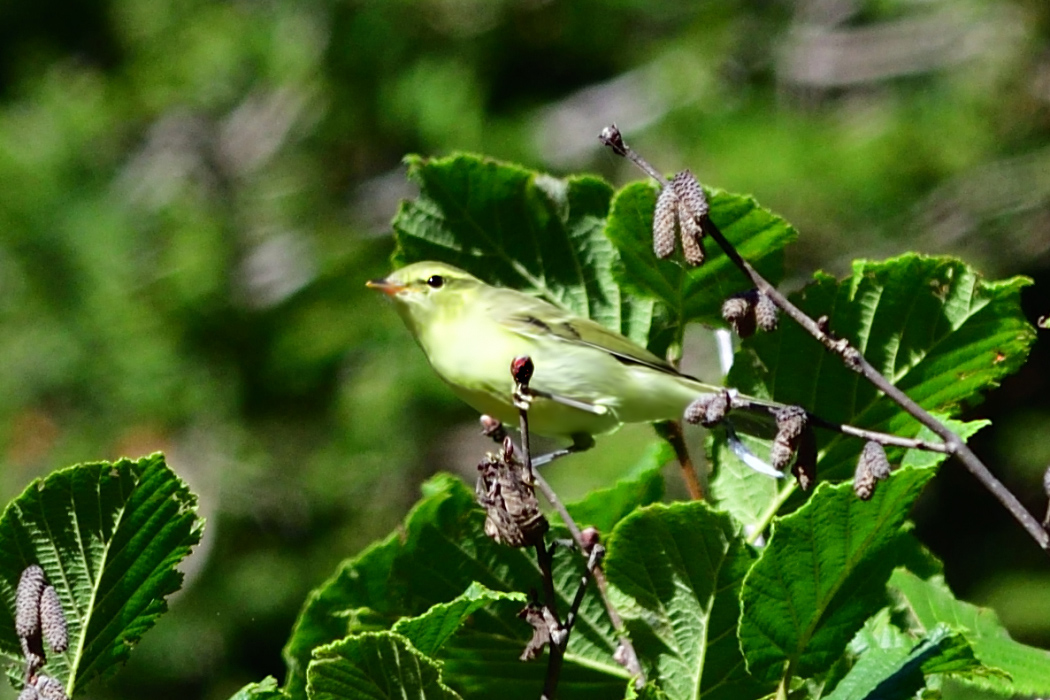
(532,317)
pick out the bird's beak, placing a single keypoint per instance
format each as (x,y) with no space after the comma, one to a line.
(385,286)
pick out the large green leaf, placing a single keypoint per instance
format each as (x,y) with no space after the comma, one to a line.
(695,293)
(108,536)
(518,228)
(678,570)
(823,574)
(933,326)
(375,666)
(931,602)
(440,551)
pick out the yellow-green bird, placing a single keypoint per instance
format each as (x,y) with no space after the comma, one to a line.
(595,379)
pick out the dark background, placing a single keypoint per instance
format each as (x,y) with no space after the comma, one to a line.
(193,193)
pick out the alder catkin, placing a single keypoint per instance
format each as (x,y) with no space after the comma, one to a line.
(692,237)
(53,620)
(690,194)
(27,601)
(28,693)
(664,224)
(864,480)
(766,313)
(50,688)
(791,424)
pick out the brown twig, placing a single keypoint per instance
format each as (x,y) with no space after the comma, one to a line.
(521,370)
(853,359)
(671,431)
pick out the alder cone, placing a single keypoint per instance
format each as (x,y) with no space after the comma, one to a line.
(53,620)
(27,601)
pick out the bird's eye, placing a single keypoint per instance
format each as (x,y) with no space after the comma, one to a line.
(435,281)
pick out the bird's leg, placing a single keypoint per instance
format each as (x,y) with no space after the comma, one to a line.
(581,442)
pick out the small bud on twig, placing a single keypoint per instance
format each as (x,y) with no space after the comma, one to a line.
(27,601)
(521,369)
(492,428)
(708,410)
(53,620)
(590,537)
(610,136)
(766,313)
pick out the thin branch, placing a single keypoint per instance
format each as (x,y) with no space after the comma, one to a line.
(521,369)
(852,358)
(671,431)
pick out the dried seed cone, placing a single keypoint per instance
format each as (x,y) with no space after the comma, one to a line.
(50,689)
(805,468)
(708,410)
(780,455)
(689,192)
(766,313)
(873,457)
(53,620)
(27,601)
(791,424)
(692,237)
(28,693)
(864,480)
(739,311)
(664,224)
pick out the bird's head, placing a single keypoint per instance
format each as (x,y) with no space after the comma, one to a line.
(425,291)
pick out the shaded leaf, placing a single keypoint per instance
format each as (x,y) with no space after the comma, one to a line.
(679,569)
(897,668)
(374,666)
(514,227)
(931,602)
(108,536)
(823,574)
(431,630)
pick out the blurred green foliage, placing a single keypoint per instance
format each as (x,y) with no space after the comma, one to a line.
(192,193)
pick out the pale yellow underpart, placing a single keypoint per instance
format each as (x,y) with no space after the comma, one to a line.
(471,331)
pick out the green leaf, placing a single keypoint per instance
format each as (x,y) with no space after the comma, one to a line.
(108,536)
(932,326)
(603,508)
(374,666)
(438,553)
(515,227)
(265,689)
(695,293)
(429,632)
(930,602)
(679,569)
(896,670)
(822,574)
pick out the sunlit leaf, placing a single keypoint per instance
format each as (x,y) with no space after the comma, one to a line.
(823,574)
(108,536)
